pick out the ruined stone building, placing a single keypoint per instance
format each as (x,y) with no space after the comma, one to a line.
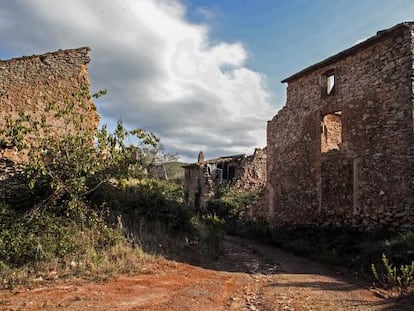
(29,84)
(341,151)
(238,171)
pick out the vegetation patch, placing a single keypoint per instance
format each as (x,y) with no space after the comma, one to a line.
(86,206)
(231,206)
(51,245)
(349,248)
(390,277)
(361,252)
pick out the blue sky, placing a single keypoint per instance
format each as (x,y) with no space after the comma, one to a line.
(285,36)
(203,75)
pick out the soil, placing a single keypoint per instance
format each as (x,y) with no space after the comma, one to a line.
(247,276)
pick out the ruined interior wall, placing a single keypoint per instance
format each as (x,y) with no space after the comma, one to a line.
(198,186)
(29,84)
(331,132)
(158,171)
(374,92)
(191,184)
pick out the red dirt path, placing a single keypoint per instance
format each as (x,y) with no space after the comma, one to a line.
(248,276)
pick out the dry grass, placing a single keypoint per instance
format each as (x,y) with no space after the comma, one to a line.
(89,262)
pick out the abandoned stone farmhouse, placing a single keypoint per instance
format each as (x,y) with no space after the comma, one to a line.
(341,151)
(238,171)
(29,84)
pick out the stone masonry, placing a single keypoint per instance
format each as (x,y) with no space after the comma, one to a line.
(29,84)
(242,172)
(341,151)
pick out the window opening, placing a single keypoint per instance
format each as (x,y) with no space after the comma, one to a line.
(330,83)
(225,171)
(218,175)
(331,131)
(232,171)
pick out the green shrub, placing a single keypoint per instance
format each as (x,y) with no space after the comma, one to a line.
(78,160)
(149,200)
(76,203)
(390,277)
(70,239)
(152,212)
(29,238)
(210,231)
(231,205)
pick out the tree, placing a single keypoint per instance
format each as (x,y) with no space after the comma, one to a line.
(75,160)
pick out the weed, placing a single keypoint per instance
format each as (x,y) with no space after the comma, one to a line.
(390,277)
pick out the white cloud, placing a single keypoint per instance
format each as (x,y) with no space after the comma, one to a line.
(161,71)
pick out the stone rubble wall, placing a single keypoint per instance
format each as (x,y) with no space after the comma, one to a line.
(252,173)
(369,181)
(29,84)
(331,129)
(10,180)
(198,186)
(158,171)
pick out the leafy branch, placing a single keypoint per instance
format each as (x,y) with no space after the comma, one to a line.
(74,159)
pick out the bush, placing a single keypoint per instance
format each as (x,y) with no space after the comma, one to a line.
(149,200)
(66,240)
(231,205)
(152,212)
(77,160)
(76,203)
(389,276)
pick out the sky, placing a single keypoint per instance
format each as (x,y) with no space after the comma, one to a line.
(201,74)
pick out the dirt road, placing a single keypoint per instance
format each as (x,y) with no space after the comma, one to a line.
(248,276)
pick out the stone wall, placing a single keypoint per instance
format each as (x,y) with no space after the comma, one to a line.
(158,171)
(346,156)
(251,174)
(29,84)
(198,185)
(11,182)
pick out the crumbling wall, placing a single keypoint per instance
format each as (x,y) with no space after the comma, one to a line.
(252,172)
(366,177)
(29,84)
(331,132)
(158,171)
(240,172)
(198,185)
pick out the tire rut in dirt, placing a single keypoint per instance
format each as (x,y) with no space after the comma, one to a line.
(238,257)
